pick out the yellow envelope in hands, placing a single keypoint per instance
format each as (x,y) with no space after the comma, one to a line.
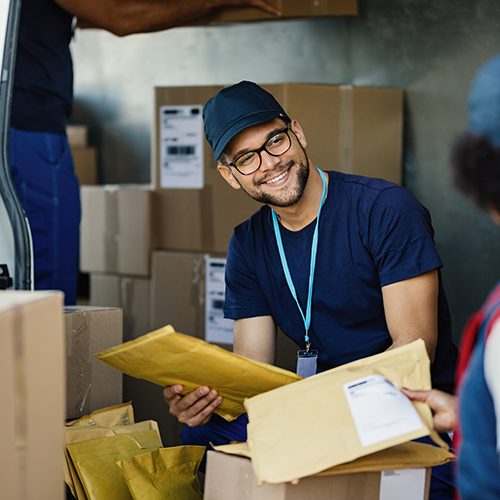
(164,474)
(166,357)
(339,415)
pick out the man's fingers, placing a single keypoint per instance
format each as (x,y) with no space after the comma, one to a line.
(171,392)
(204,415)
(416,395)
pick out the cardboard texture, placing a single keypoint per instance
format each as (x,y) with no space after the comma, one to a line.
(351,129)
(177,291)
(90,384)
(77,135)
(230,477)
(32,366)
(85,163)
(352,408)
(131,294)
(166,357)
(117,229)
(289,9)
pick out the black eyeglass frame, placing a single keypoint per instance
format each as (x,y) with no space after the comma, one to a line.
(285,130)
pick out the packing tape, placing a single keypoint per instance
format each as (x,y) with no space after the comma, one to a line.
(345,158)
(111,229)
(20,402)
(79,367)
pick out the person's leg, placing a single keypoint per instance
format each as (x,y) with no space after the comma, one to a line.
(218,431)
(43,175)
(443,476)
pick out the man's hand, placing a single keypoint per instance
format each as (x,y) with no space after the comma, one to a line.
(193,409)
(443,405)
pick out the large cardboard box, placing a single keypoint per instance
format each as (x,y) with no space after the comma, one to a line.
(289,9)
(117,229)
(90,383)
(351,129)
(229,477)
(32,385)
(131,294)
(85,163)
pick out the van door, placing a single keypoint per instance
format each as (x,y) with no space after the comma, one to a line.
(16,253)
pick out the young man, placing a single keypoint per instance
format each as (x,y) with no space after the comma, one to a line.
(345,265)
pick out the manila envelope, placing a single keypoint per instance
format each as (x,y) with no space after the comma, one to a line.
(166,357)
(339,415)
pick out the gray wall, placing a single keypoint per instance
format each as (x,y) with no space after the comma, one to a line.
(429,48)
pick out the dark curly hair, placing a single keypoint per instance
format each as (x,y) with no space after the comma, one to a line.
(475,164)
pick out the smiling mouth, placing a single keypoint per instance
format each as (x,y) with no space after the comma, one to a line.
(278,177)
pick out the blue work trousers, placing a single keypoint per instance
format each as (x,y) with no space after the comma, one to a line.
(43,175)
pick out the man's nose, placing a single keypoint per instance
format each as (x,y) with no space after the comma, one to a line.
(267,161)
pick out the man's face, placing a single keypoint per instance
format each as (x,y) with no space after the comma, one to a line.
(280,180)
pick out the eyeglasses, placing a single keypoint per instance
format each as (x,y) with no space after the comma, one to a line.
(249,162)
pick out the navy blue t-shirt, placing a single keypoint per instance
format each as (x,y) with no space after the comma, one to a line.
(43,78)
(371,233)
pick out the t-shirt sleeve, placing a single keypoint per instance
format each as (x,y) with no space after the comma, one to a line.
(244,297)
(401,237)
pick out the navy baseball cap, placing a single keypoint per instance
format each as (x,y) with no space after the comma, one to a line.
(484,102)
(235,109)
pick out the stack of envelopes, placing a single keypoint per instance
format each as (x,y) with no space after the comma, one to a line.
(110,457)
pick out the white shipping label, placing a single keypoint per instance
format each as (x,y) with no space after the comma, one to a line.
(403,483)
(217,328)
(181,147)
(380,411)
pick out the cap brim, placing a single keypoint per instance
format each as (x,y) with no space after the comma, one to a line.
(239,126)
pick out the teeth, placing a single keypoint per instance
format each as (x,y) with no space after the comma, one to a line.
(276,179)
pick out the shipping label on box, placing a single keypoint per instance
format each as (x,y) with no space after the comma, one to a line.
(218,330)
(181,147)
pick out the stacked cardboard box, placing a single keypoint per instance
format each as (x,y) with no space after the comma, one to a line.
(32,365)
(91,384)
(288,8)
(84,156)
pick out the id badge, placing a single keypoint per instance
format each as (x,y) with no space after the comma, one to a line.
(307,362)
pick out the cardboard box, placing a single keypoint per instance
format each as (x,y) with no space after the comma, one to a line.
(90,383)
(32,367)
(117,229)
(130,294)
(289,9)
(351,129)
(77,135)
(230,476)
(177,291)
(85,163)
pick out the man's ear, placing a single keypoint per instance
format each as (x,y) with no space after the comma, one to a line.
(228,176)
(297,130)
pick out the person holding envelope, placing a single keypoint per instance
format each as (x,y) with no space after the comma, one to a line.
(345,265)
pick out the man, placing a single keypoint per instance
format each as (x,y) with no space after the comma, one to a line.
(39,155)
(344,265)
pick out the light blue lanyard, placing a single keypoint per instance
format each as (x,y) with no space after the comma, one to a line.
(314,250)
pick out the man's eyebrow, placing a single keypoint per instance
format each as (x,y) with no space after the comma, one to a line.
(271,134)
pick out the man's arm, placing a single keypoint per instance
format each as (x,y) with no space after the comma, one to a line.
(254,338)
(124,17)
(411,310)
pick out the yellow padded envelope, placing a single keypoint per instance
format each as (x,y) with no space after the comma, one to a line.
(339,415)
(166,357)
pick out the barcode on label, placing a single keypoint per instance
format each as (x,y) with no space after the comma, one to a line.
(181,150)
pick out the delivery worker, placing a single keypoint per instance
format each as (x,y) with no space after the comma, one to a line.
(345,265)
(39,155)
(476,169)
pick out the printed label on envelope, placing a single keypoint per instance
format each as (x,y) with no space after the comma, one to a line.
(379,410)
